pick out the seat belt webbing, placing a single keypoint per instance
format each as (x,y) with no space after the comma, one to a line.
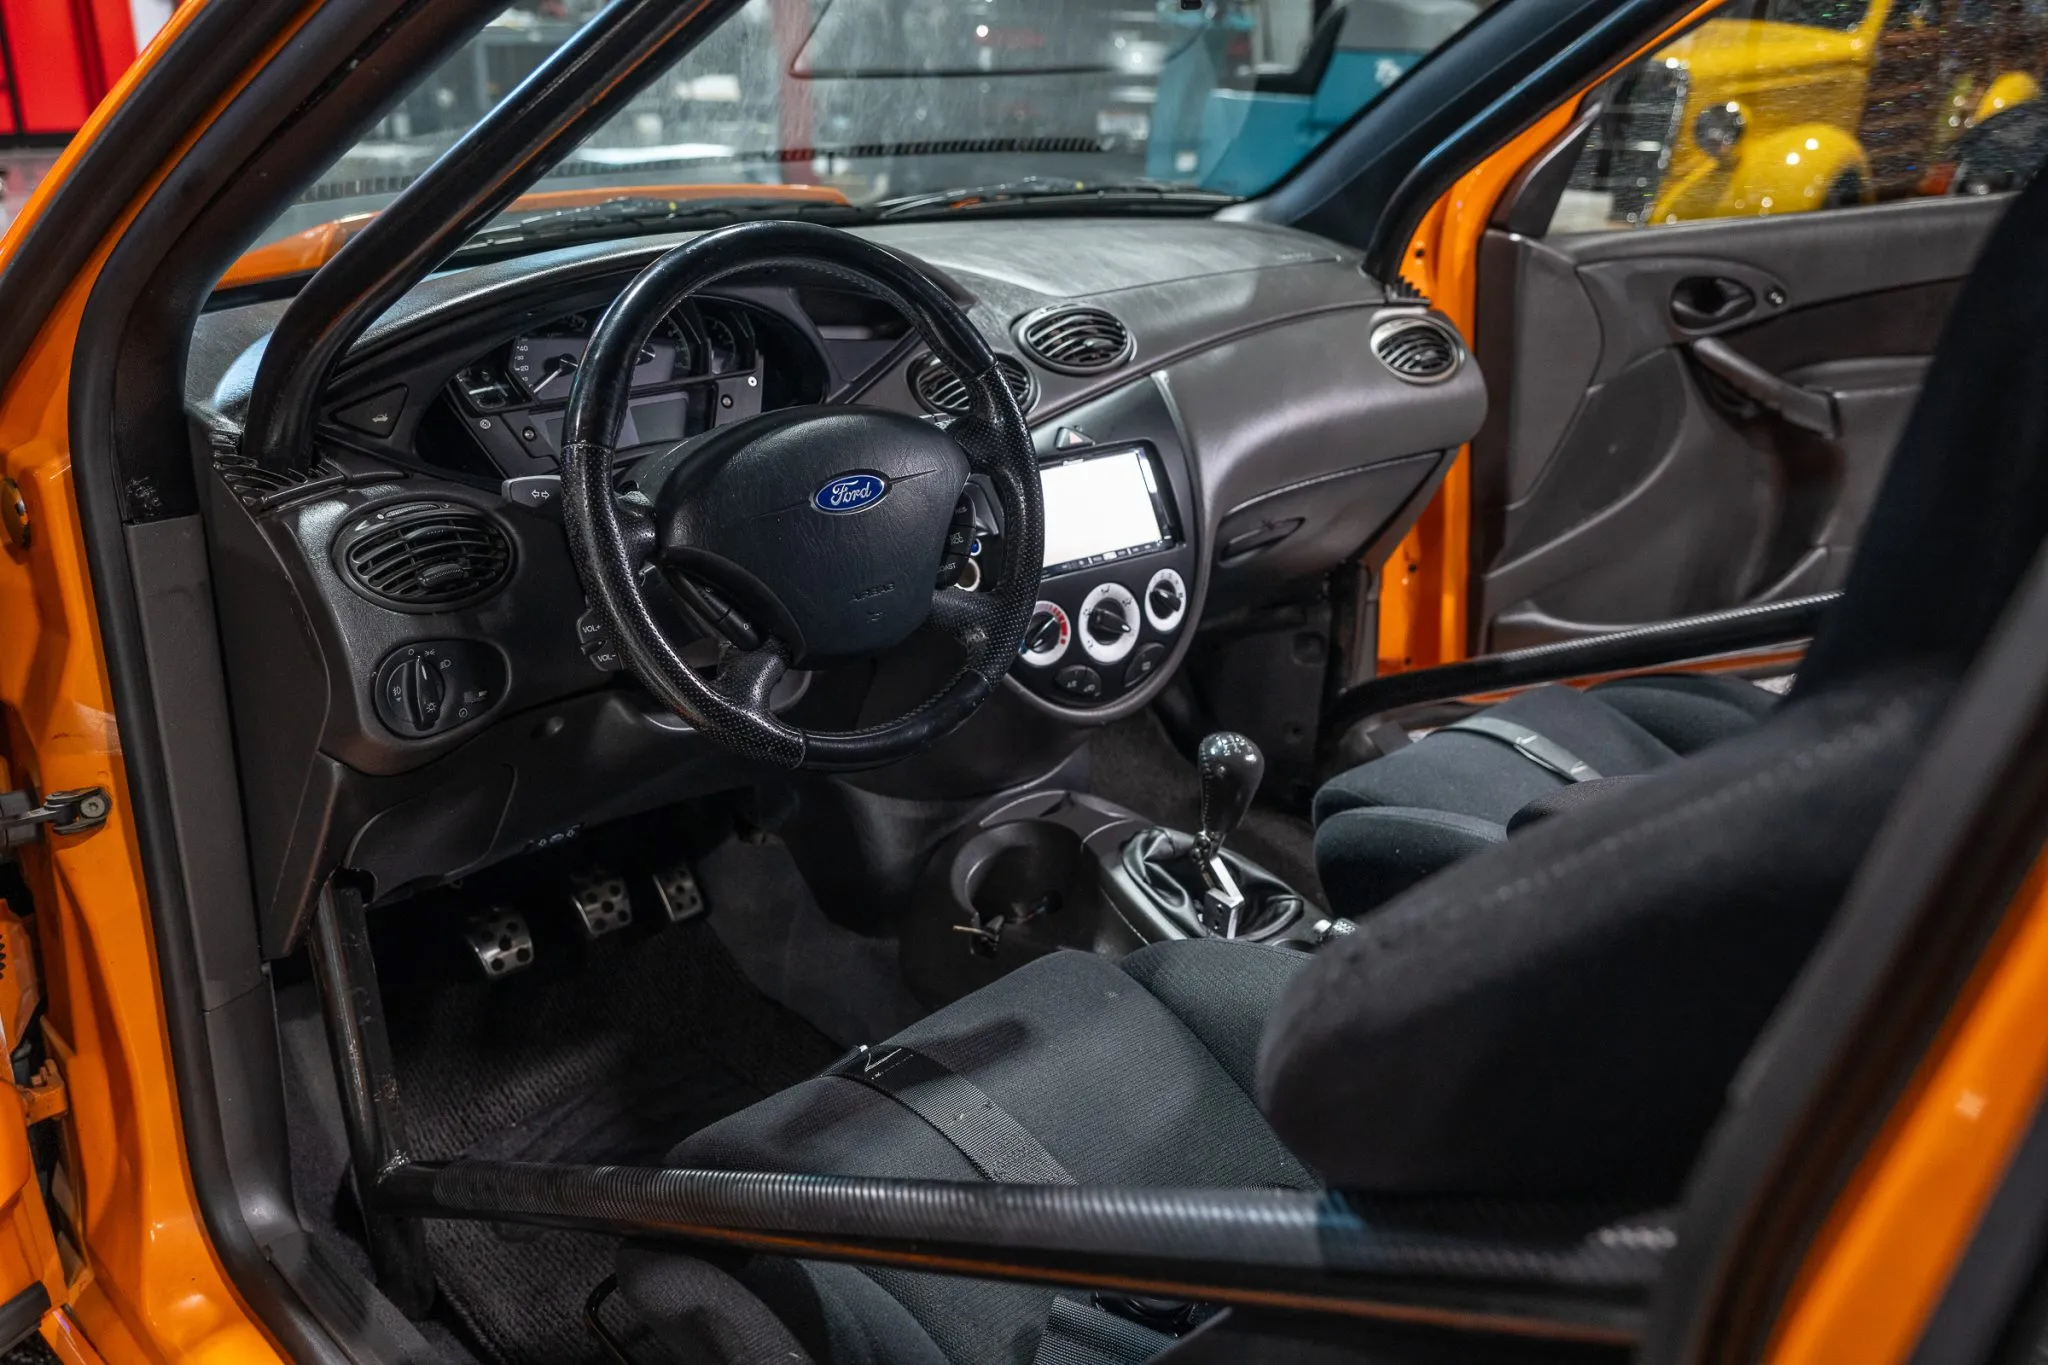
(1544,753)
(994,1143)
(1082,1334)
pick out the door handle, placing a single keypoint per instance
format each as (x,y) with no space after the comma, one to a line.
(1700,303)
(1808,409)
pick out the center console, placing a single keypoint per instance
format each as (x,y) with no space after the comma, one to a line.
(1117,594)
(1059,869)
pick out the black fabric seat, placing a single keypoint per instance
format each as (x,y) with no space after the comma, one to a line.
(1560,1015)
(1139,1073)
(1385,825)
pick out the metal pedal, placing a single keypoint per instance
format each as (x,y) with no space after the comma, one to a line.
(681,897)
(501,941)
(602,902)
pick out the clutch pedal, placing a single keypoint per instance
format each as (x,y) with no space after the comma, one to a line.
(602,902)
(681,897)
(502,942)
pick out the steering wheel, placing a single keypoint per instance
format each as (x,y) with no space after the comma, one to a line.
(808,535)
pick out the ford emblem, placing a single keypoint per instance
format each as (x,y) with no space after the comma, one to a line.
(851,493)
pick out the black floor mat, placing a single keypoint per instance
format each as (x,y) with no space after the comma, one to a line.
(1135,765)
(612,1059)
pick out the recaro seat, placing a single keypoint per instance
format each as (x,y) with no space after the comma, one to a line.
(1558,1016)
(1385,825)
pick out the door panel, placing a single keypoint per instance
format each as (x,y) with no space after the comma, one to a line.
(1691,417)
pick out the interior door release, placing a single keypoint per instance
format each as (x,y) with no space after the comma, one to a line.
(1701,303)
(1808,409)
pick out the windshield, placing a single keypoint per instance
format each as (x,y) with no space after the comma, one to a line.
(860,103)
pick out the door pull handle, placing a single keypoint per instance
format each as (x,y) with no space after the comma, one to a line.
(1808,409)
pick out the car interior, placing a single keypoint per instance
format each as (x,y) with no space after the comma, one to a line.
(865,716)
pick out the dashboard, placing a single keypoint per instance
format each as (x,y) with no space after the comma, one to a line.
(1219,425)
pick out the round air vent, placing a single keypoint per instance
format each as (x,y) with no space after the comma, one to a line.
(424,556)
(1419,350)
(1076,340)
(938,389)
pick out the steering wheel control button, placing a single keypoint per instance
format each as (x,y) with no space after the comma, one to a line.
(1046,635)
(376,415)
(436,685)
(591,631)
(1079,681)
(1109,616)
(1144,663)
(1166,600)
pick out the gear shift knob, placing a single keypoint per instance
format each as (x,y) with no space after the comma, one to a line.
(1230,767)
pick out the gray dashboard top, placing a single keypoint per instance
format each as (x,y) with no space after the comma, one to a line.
(1180,285)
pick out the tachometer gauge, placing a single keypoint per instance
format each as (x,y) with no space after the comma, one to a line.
(546,366)
(676,336)
(725,344)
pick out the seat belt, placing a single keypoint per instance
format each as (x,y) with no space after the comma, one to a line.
(994,1143)
(1546,754)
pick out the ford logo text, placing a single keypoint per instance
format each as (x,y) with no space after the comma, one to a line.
(851,493)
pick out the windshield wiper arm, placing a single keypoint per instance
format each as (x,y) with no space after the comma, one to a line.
(1059,195)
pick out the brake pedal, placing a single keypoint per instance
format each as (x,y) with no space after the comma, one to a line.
(602,902)
(502,942)
(681,897)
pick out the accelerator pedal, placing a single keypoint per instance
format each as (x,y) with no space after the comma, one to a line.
(681,897)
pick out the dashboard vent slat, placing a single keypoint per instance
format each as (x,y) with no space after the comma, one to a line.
(425,556)
(1419,350)
(941,391)
(1077,340)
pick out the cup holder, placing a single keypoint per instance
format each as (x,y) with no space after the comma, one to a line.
(1002,897)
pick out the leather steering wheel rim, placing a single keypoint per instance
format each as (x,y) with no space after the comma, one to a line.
(611,544)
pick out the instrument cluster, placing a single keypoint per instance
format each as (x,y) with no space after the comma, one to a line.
(702,366)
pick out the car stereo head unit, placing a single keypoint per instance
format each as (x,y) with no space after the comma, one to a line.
(1105,506)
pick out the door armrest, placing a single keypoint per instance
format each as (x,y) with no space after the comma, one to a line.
(1667,643)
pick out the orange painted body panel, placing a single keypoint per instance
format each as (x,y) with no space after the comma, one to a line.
(304,252)
(151,1287)
(1882,1262)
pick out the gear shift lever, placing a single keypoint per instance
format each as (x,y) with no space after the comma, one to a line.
(1230,767)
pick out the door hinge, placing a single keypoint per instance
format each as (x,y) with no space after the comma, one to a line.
(45,1096)
(22,818)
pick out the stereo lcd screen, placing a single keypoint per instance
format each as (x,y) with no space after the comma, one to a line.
(1100,508)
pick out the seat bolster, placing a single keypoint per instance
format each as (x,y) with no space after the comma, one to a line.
(1222,991)
(1689,711)
(1469,774)
(1370,855)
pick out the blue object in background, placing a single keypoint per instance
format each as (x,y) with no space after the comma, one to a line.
(1242,140)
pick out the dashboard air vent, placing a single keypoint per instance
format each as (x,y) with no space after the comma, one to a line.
(425,556)
(1076,340)
(257,486)
(1419,350)
(938,389)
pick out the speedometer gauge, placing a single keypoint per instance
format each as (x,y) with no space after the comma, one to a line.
(546,366)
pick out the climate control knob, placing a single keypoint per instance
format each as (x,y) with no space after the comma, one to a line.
(1166,600)
(1110,618)
(1108,624)
(1045,635)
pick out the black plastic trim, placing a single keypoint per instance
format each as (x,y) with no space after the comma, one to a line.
(22,1314)
(1668,642)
